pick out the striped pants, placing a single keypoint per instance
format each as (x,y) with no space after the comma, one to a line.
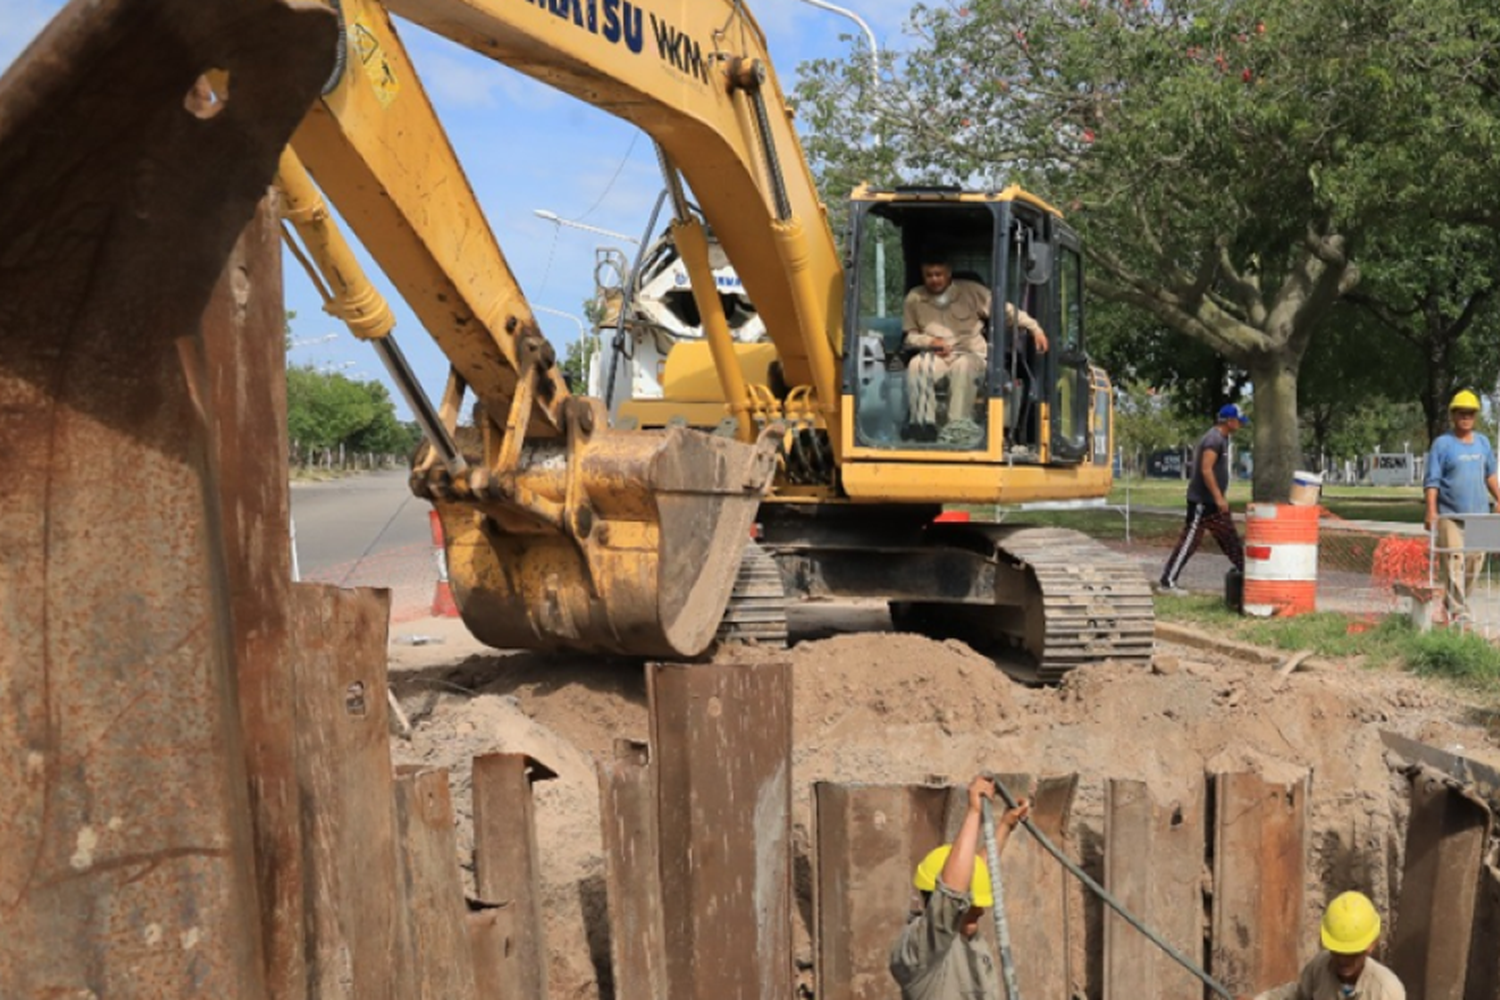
(1199,517)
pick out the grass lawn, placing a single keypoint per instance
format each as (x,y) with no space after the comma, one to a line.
(1463,657)
(1353,503)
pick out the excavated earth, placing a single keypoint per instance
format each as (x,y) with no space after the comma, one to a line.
(881,707)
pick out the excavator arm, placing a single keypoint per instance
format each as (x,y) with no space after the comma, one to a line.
(561,532)
(696,77)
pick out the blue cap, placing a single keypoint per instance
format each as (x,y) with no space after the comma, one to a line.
(1230,411)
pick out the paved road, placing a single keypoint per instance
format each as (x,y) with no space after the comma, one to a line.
(366,531)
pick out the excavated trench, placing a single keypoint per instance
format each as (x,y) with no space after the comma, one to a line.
(1236,803)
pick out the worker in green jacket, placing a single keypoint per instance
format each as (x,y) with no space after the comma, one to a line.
(940,955)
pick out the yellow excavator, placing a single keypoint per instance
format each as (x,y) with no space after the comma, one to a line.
(564,530)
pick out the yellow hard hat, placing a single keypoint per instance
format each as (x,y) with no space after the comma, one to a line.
(932,866)
(1464,399)
(1350,924)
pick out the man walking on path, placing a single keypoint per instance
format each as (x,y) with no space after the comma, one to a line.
(1345,970)
(1207,506)
(939,955)
(1459,479)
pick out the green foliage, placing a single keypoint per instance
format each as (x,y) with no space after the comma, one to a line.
(327,410)
(1146,422)
(575,363)
(1227,165)
(1461,656)
(1451,653)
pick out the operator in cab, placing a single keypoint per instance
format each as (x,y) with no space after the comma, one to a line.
(943,321)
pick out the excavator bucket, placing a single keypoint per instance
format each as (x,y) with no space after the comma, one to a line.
(647,571)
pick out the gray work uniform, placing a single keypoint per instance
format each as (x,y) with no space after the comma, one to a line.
(1318,982)
(1218,442)
(932,960)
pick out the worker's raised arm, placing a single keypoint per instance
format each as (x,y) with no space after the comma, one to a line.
(1021,319)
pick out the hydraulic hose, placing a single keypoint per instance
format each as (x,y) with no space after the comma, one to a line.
(1104,895)
(1002,921)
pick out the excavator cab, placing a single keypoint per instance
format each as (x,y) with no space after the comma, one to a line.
(1012,402)
(1002,402)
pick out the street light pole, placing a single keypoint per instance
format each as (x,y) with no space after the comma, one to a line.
(582,330)
(584,338)
(556,220)
(869,35)
(874,83)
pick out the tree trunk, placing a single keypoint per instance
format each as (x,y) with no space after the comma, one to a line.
(1278,442)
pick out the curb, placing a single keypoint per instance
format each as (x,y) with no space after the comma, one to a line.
(1186,636)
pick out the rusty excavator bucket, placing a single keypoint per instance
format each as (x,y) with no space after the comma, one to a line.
(641,562)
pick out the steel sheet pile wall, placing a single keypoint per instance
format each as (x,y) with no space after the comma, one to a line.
(506,861)
(628,814)
(869,840)
(722,741)
(128,841)
(1446,840)
(1260,868)
(1153,863)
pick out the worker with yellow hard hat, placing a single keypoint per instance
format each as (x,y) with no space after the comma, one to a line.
(1459,479)
(1344,970)
(939,955)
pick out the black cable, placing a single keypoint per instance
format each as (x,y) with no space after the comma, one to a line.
(1109,900)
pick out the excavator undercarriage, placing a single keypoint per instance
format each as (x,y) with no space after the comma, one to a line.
(1040,601)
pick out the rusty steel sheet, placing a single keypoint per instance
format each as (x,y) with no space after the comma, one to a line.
(437,957)
(1153,864)
(1483,979)
(491,943)
(507,867)
(721,736)
(633,882)
(1446,836)
(126,844)
(345,780)
(1480,779)
(869,841)
(1036,886)
(1260,866)
(244,359)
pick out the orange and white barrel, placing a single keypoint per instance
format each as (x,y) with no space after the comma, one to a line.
(1281,559)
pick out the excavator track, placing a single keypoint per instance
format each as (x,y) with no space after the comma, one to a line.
(1083,604)
(757,605)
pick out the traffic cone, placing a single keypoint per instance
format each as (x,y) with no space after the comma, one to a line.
(443,604)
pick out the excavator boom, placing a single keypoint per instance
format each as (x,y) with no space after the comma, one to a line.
(560,530)
(564,531)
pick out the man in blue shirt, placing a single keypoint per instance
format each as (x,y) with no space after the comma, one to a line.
(1459,479)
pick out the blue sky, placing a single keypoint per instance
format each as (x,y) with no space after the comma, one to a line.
(582,164)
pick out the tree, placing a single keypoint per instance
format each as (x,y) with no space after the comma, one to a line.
(1222,161)
(575,363)
(1434,289)
(1146,422)
(327,410)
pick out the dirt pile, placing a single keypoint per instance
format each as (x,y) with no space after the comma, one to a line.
(891,708)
